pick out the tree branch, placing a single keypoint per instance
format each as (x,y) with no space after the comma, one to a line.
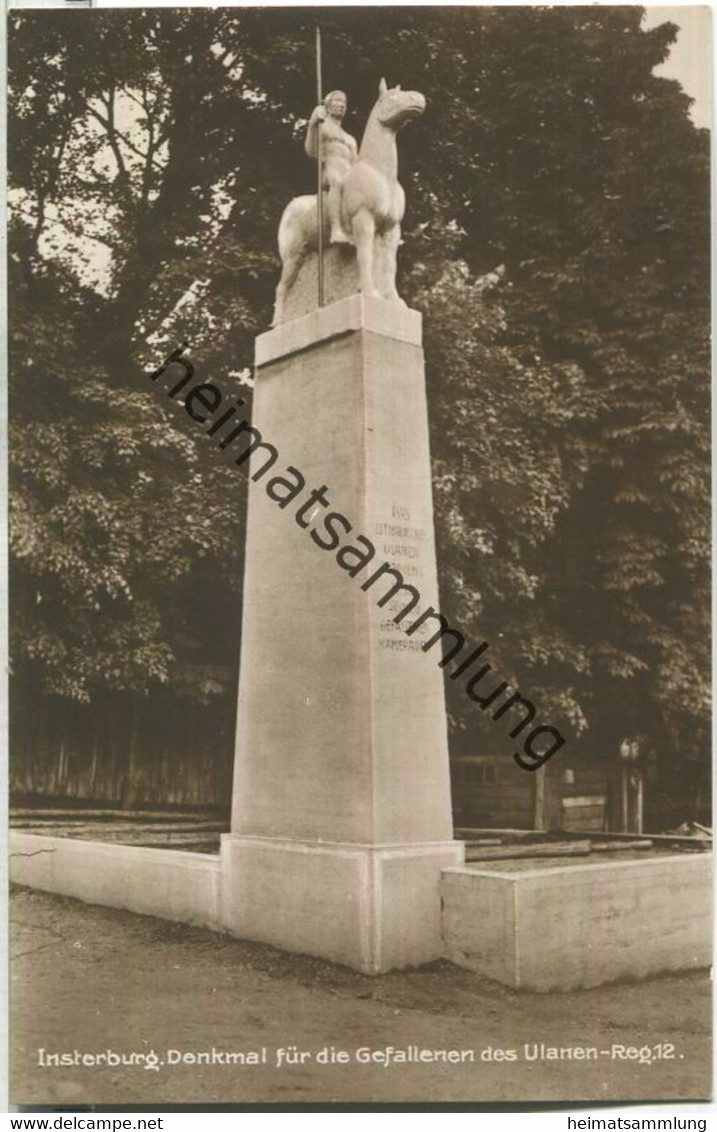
(112,244)
(45,190)
(125,140)
(134,98)
(147,172)
(112,135)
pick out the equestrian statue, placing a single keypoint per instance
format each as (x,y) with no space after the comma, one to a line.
(363,203)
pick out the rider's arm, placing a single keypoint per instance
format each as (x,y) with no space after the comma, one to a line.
(311,145)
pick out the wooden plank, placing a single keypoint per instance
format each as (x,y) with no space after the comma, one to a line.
(593,820)
(508,852)
(620,846)
(107,816)
(584,800)
(468,833)
(477,760)
(658,838)
(587,827)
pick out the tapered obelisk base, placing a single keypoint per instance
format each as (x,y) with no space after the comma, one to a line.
(341,817)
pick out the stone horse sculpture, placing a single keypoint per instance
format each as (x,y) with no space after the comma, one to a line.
(372,203)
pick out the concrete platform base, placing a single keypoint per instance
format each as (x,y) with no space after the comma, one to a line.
(373,908)
(573,926)
(154,882)
(379,908)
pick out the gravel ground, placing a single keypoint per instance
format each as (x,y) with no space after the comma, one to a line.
(95,979)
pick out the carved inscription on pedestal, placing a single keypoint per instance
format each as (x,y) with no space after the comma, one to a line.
(403,544)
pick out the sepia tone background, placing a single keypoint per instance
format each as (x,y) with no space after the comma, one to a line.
(150,159)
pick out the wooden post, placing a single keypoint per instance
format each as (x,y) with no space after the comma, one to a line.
(639,802)
(539,799)
(624,822)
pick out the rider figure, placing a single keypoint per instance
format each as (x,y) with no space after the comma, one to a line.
(338,150)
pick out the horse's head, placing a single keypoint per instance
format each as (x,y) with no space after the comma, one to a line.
(395,106)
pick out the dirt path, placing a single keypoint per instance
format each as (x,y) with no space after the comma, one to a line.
(91,979)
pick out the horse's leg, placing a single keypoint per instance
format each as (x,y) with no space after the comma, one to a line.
(291,262)
(289,271)
(391,240)
(363,226)
(297,235)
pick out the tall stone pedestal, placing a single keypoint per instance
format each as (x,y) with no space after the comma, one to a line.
(341,817)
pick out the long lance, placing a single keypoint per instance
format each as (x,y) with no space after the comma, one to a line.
(320,186)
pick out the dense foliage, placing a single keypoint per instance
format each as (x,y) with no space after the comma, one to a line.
(150,159)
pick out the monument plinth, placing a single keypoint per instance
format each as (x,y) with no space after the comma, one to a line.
(341,819)
(341,805)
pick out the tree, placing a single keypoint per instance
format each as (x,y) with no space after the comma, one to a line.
(118,520)
(568,401)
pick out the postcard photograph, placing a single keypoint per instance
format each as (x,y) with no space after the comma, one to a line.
(359,468)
